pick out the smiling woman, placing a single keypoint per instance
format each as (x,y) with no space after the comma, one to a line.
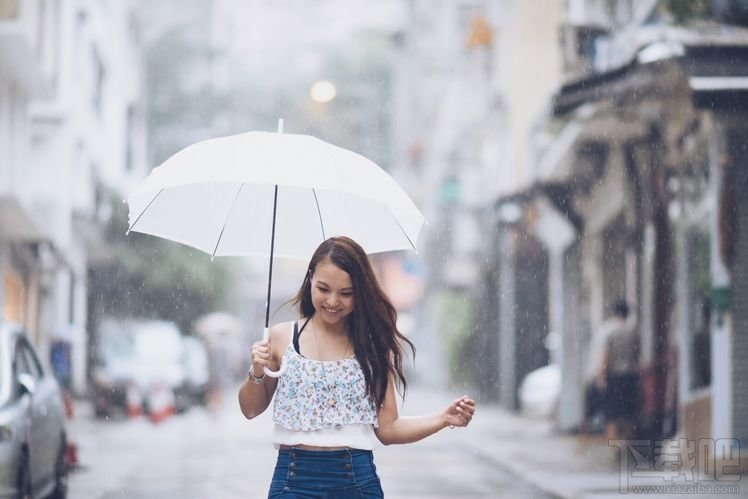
(336,401)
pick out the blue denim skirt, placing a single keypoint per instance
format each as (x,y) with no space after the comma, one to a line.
(338,474)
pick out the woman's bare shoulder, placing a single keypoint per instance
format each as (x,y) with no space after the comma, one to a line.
(282,332)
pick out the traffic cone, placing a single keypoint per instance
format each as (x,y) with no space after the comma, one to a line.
(134,401)
(71,448)
(160,403)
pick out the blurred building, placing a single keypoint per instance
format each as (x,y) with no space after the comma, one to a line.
(651,126)
(474,80)
(71,132)
(559,173)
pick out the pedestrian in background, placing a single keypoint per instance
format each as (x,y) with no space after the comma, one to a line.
(594,383)
(622,375)
(336,401)
(220,375)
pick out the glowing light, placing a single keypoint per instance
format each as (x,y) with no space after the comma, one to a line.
(322,91)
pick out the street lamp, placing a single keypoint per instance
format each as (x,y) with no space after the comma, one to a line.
(322,91)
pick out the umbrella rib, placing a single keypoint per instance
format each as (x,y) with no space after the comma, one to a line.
(404,232)
(319,214)
(143,212)
(223,227)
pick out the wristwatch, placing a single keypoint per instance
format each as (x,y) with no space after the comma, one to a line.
(254,379)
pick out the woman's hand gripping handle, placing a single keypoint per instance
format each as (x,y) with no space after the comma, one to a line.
(262,356)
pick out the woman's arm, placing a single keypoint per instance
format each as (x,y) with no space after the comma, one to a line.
(254,398)
(396,429)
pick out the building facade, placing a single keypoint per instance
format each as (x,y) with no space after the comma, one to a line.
(72,134)
(626,187)
(647,158)
(466,100)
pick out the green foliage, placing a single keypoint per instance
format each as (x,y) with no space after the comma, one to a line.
(686,11)
(152,277)
(455,314)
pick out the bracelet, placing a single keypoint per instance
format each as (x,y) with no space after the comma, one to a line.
(254,379)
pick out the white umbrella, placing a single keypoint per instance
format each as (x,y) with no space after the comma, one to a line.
(274,194)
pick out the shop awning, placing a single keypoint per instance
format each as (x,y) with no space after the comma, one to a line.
(16,225)
(719,92)
(717,75)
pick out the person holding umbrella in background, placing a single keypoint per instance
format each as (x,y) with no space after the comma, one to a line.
(336,400)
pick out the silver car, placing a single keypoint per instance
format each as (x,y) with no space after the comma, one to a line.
(32,422)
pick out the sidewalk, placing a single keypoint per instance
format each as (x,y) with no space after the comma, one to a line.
(535,452)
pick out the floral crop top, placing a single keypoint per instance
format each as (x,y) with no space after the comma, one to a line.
(317,394)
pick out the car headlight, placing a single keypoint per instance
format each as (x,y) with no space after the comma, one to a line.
(6,433)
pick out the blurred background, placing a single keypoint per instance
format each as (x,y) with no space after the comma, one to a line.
(566,154)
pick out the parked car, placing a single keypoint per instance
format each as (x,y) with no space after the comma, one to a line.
(138,366)
(32,422)
(197,370)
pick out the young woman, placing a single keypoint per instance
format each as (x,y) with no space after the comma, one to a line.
(336,400)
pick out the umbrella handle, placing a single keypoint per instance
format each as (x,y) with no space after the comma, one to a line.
(279,372)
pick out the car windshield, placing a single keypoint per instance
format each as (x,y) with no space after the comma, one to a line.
(158,341)
(116,341)
(147,341)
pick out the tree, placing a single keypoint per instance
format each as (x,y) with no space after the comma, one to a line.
(153,277)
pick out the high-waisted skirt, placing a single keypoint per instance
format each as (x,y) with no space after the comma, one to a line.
(338,474)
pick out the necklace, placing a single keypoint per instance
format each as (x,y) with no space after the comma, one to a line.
(330,384)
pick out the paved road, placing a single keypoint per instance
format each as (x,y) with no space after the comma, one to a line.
(200,455)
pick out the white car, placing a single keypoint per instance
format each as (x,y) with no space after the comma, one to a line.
(141,361)
(197,370)
(32,422)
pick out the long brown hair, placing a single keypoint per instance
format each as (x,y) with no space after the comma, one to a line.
(372,325)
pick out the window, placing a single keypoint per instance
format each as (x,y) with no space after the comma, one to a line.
(8,9)
(699,307)
(614,261)
(99,78)
(26,361)
(129,138)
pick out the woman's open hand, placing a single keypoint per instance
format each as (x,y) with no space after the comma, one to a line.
(460,412)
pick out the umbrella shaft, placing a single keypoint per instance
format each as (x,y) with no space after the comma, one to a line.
(272,248)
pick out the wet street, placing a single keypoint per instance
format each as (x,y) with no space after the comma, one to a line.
(202,455)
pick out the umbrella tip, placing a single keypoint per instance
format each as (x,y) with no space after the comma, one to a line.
(280,125)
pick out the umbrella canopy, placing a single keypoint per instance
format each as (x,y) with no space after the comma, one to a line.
(218,196)
(274,194)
